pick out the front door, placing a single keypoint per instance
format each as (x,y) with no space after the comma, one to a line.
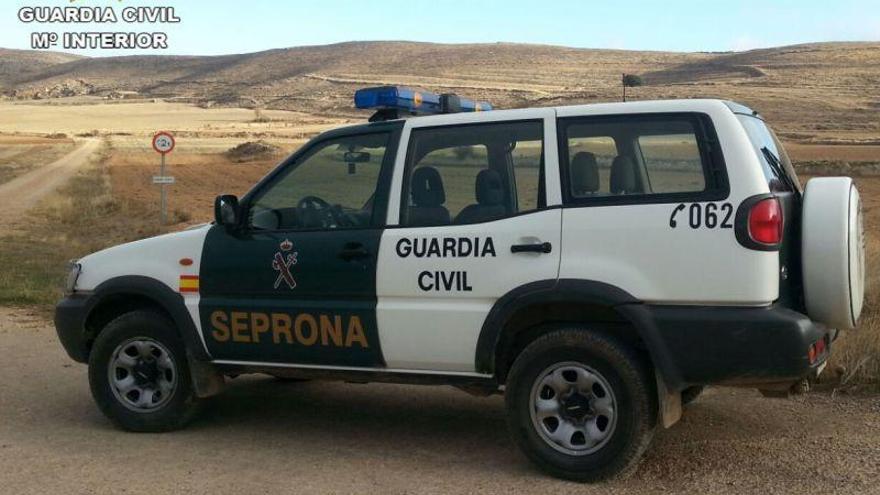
(296,283)
(476,222)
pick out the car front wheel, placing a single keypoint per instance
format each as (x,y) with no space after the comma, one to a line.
(139,374)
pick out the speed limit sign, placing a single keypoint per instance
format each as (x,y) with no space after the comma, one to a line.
(163,142)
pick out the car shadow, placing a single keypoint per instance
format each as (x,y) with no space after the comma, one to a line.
(374,419)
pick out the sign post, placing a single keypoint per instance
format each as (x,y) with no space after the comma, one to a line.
(163,143)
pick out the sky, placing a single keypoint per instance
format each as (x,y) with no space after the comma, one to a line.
(213,27)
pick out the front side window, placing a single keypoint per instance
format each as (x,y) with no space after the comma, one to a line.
(636,158)
(472,173)
(332,186)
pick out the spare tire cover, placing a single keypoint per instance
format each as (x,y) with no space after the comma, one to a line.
(833,251)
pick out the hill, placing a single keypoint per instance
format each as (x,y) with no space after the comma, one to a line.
(805,88)
(18,64)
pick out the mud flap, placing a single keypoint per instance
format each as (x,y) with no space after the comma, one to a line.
(670,403)
(207,381)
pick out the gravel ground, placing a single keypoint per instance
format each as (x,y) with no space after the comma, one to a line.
(265,436)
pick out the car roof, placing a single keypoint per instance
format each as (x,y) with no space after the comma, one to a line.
(611,108)
(644,106)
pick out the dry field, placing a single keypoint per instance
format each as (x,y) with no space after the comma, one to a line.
(138,118)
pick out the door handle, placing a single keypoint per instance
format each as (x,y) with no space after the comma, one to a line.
(541,247)
(353,250)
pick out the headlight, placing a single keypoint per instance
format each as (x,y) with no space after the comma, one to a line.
(72,276)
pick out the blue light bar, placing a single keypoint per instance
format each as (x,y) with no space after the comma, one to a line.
(413,100)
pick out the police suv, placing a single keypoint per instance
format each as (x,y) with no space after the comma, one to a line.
(597,264)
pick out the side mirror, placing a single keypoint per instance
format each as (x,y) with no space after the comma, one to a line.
(226,210)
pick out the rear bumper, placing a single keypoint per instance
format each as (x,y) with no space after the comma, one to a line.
(739,346)
(70,316)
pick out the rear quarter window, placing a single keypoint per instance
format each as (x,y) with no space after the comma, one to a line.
(761,136)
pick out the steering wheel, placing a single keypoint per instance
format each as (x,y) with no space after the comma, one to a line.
(315,212)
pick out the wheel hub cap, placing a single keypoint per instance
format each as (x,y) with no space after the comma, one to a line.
(146,373)
(142,374)
(576,407)
(573,408)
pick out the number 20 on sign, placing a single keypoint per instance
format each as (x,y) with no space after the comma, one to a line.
(163,143)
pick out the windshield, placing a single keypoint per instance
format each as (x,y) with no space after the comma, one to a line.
(777,167)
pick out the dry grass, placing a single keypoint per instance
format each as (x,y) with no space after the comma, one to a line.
(856,357)
(198,178)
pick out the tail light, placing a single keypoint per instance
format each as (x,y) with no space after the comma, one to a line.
(760,223)
(765,222)
(816,350)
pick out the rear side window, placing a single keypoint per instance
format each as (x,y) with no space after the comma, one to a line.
(472,173)
(640,158)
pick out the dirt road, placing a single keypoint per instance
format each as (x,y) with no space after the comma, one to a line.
(265,436)
(23,192)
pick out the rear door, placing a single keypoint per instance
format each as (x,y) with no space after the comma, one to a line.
(658,220)
(475,200)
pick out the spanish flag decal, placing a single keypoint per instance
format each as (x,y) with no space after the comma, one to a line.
(189,283)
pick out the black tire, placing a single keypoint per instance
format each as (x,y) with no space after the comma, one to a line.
(690,394)
(176,411)
(632,387)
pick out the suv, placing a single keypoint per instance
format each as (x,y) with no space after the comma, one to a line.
(596,264)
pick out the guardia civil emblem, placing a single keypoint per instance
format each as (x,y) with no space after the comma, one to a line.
(282,262)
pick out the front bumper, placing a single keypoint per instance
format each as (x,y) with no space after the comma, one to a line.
(740,346)
(70,316)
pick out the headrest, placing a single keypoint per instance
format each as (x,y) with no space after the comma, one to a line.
(584,173)
(427,187)
(623,175)
(490,192)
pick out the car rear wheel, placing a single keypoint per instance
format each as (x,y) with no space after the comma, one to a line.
(139,374)
(581,405)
